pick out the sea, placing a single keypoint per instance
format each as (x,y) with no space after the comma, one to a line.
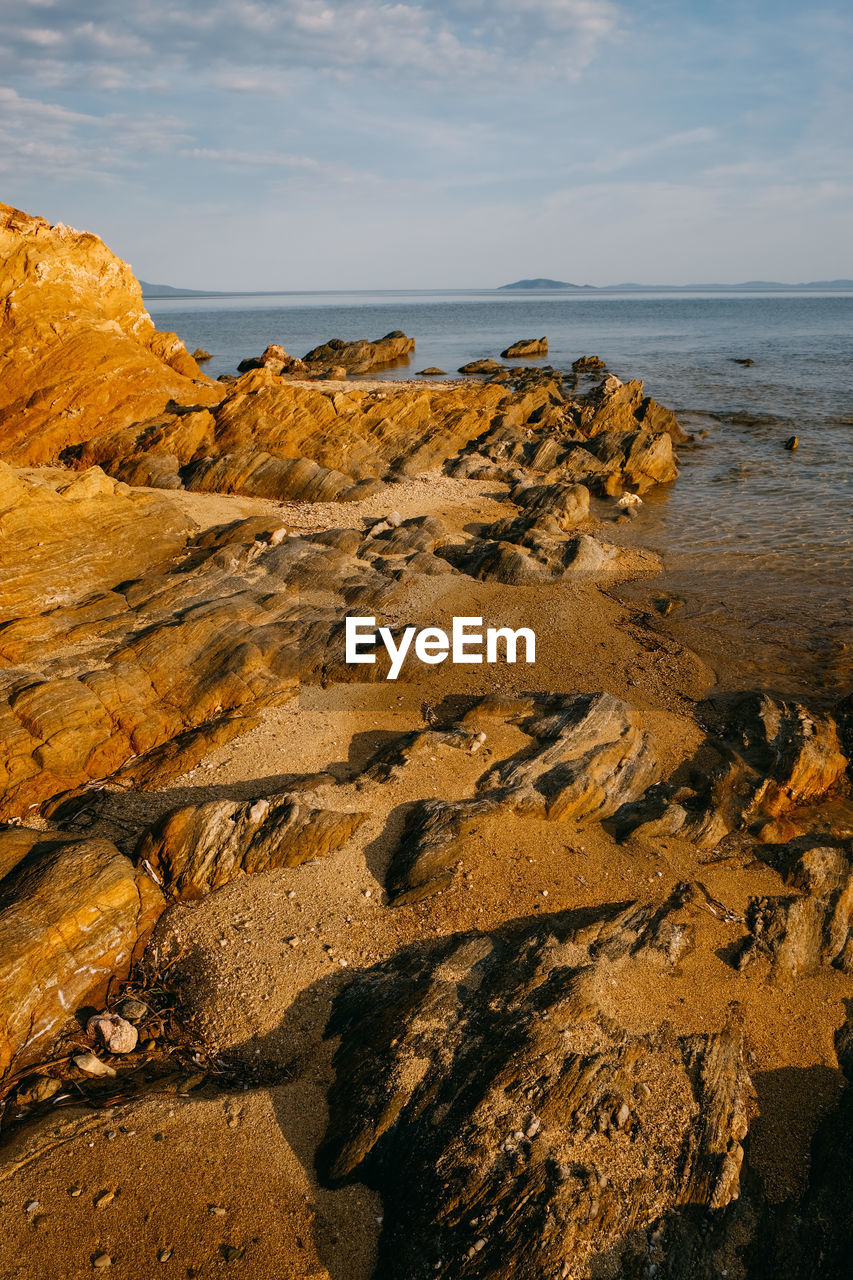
(756,539)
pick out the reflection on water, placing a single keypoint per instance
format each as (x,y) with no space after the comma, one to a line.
(756,539)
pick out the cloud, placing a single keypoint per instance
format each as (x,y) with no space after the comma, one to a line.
(433,40)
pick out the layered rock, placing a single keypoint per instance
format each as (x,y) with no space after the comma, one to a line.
(812,926)
(512,1127)
(589,755)
(72,914)
(198,848)
(78,351)
(768,758)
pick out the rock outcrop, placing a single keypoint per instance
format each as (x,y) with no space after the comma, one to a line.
(515,1129)
(78,351)
(198,848)
(72,914)
(526,349)
(589,755)
(362,355)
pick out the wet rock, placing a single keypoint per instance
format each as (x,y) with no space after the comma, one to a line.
(484,1092)
(72,914)
(362,355)
(746,361)
(200,354)
(588,364)
(481,366)
(589,755)
(199,848)
(792,443)
(431,372)
(526,348)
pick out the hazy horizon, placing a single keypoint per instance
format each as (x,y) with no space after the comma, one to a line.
(363,145)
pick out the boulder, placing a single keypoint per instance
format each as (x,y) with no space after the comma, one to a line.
(362,355)
(526,348)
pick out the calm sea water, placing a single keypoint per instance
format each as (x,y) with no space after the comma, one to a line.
(757,541)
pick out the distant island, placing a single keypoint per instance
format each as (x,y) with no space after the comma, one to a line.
(543,283)
(169,291)
(747,286)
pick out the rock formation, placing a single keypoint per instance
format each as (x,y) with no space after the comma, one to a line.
(526,349)
(362,355)
(72,914)
(513,1128)
(198,848)
(588,757)
(78,351)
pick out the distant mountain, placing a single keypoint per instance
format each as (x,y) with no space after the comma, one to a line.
(168,291)
(542,283)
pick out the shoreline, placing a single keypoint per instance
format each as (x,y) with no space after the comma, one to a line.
(576,936)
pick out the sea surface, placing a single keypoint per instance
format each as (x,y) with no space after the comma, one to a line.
(757,540)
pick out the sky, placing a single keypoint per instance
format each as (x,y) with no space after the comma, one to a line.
(307,144)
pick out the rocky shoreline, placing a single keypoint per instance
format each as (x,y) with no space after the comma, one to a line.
(484,972)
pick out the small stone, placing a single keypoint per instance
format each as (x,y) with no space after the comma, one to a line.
(115,1033)
(294,942)
(31,1207)
(93,1066)
(394,519)
(291,894)
(133,1010)
(103,1199)
(232,1252)
(164,1255)
(544,893)
(792,443)
(623,1115)
(216,1210)
(75,1191)
(478,1245)
(101,1261)
(533,1128)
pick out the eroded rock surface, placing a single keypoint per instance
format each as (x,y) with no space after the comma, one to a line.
(589,756)
(512,1128)
(78,350)
(72,913)
(198,848)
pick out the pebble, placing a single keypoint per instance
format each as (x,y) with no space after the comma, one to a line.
(103,1199)
(623,1115)
(216,1210)
(164,1255)
(31,1207)
(133,1010)
(102,1261)
(93,1066)
(291,894)
(533,1128)
(115,1033)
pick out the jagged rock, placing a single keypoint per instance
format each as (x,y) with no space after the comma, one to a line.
(568,503)
(276,359)
(530,549)
(585,363)
(798,934)
(769,757)
(198,848)
(77,347)
(200,354)
(588,757)
(72,914)
(623,406)
(362,355)
(526,348)
(511,1126)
